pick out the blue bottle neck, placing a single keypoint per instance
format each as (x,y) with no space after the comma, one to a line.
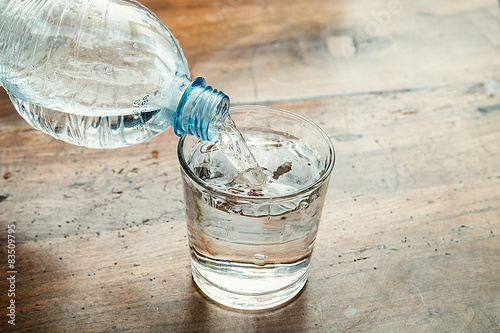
(200,111)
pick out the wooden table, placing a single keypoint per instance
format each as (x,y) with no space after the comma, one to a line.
(409,93)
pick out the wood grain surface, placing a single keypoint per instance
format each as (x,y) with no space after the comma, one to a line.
(409,93)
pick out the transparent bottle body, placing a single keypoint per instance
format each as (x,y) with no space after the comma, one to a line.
(101,74)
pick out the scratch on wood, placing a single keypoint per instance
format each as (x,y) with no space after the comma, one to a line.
(419,293)
(488,109)
(355,43)
(250,68)
(396,187)
(347,137)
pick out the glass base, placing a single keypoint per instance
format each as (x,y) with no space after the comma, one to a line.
(246,301)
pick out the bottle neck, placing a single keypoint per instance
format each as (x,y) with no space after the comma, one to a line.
(200,111)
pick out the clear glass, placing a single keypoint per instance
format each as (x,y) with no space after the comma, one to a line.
(252,251)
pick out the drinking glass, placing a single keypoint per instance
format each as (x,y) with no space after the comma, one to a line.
(252,250)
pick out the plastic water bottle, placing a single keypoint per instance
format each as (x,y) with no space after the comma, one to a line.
(101,73)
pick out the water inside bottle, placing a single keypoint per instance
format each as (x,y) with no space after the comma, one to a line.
(100,74)
(94,131)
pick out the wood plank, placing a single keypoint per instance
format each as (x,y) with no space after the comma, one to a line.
(262,52)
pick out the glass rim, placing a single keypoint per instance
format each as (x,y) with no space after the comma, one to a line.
(244,108)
